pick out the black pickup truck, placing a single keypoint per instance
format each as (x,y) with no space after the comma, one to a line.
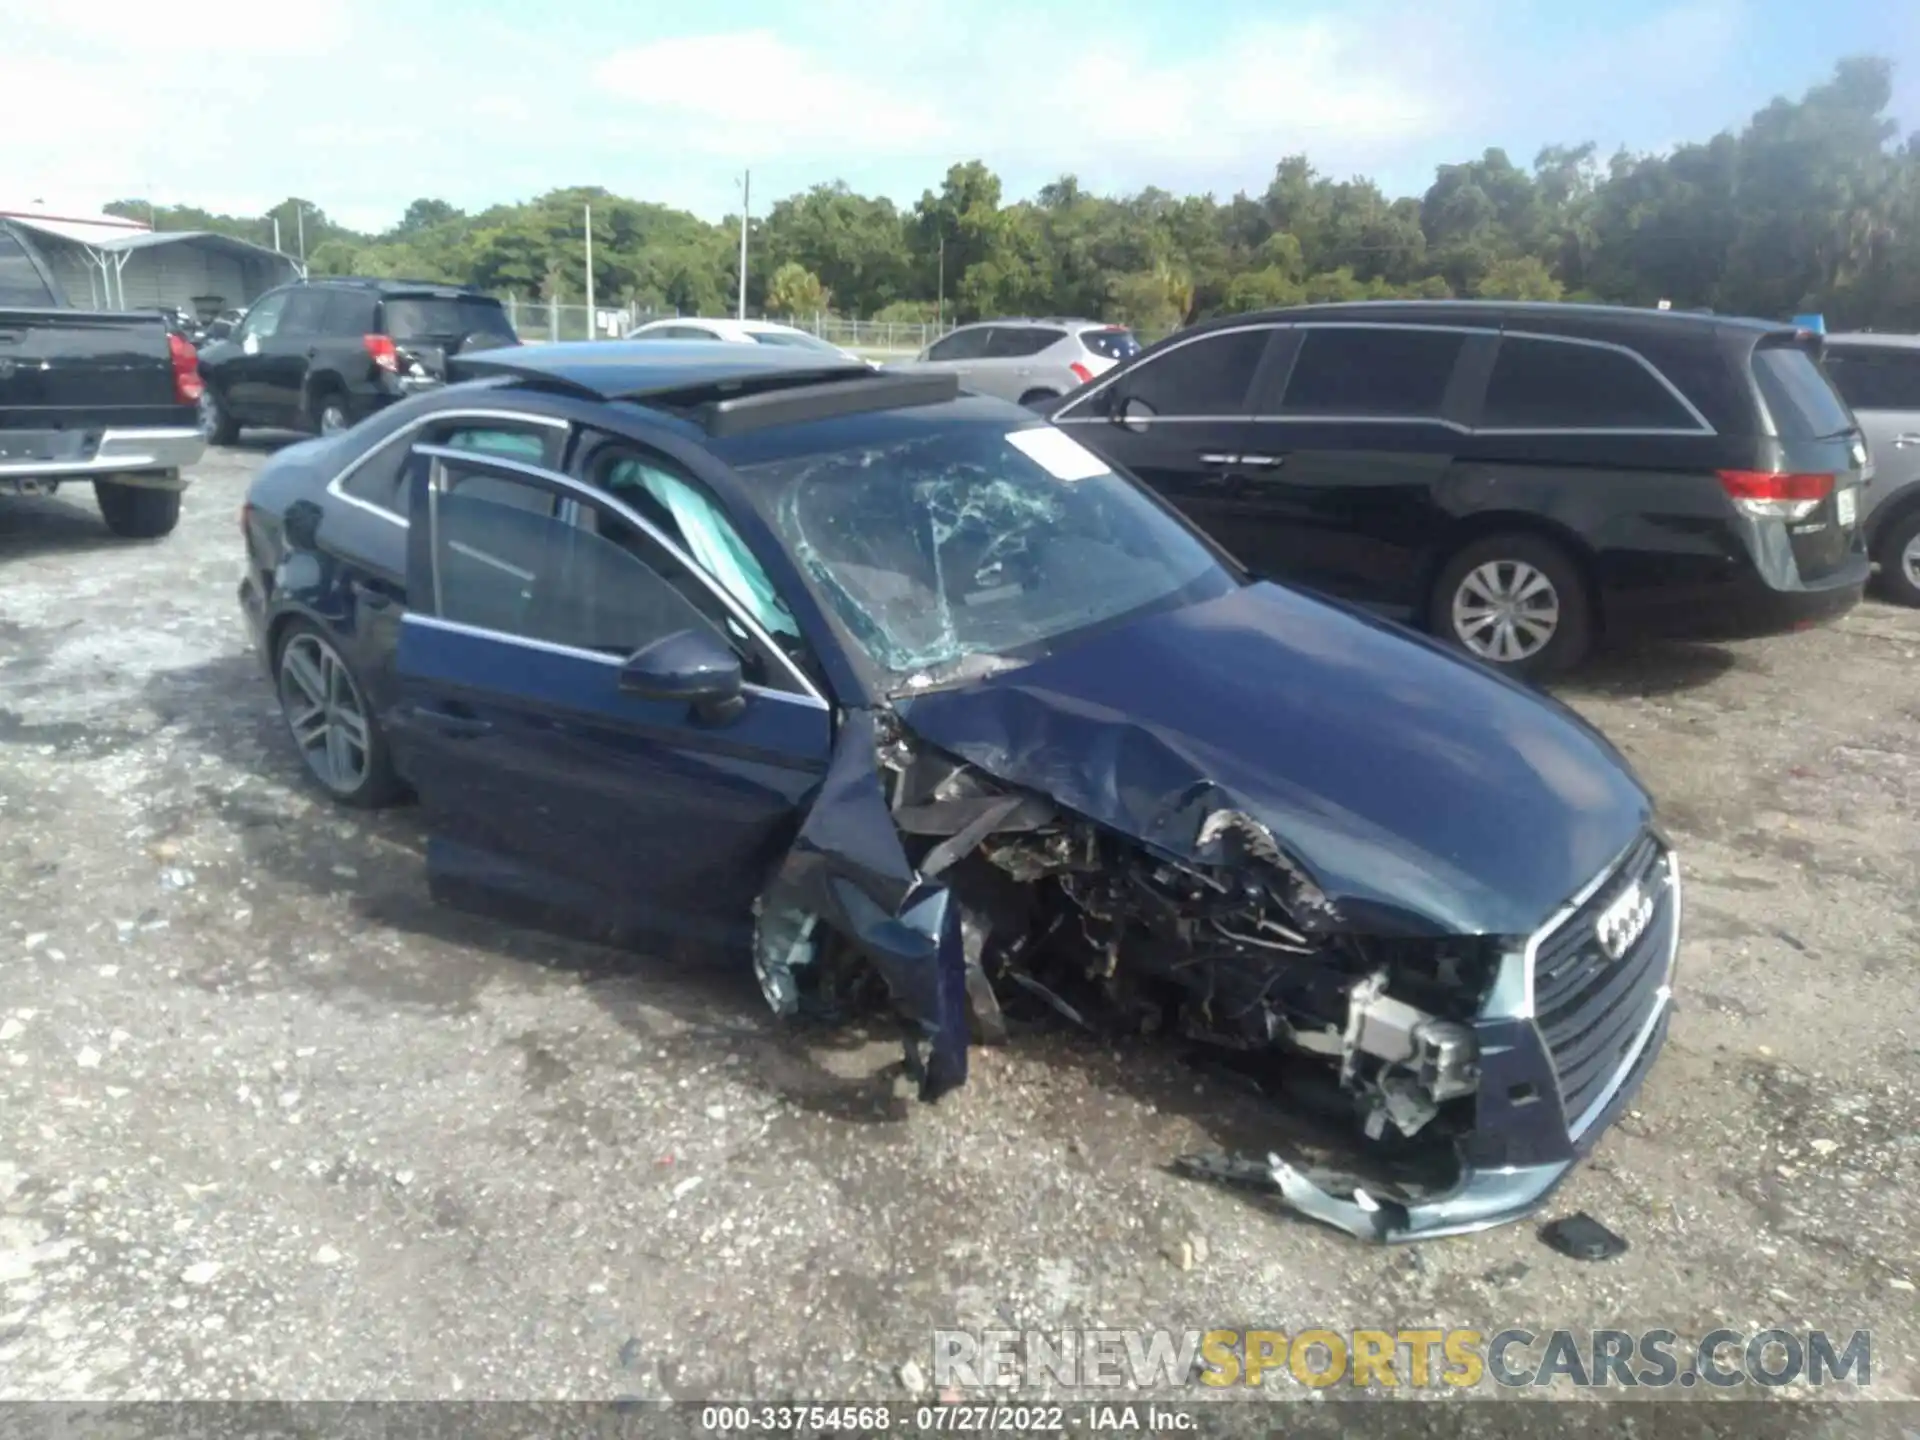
(109,397)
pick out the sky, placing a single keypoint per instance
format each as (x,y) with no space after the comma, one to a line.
(363,105)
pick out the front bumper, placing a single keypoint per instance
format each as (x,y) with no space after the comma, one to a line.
(1567,1037)
(119,453)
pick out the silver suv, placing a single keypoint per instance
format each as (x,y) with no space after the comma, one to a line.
(1028,361)
(1879,377)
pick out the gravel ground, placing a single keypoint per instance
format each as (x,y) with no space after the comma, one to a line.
(273,1125)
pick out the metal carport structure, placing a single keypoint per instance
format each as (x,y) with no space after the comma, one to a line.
(194,270)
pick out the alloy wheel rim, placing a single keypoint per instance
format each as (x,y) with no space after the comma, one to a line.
(209,414)
(324,713)
(1506,611)
(1910,561)
(332,420)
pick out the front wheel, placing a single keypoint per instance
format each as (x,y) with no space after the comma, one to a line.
(1517,602)
(137,512)
(1898,552)
(216,421)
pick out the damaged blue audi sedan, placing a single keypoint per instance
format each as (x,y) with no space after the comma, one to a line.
(901,696)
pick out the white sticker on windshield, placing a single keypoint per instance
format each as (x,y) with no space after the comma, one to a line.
(1058,453)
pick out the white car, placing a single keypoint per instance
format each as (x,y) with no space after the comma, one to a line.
(739,332)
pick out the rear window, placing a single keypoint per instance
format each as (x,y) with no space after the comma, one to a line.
(20,282)
(1367,371)
(1111,344)
(445,317)
(1540,384)
(1801,400)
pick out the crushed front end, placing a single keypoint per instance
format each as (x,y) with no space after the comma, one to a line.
(1466,1073)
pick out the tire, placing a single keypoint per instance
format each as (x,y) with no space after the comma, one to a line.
(1898,551)
(1555,629)
(137,512)
(1036,397)
(319,695)
(327,412)
(216,421)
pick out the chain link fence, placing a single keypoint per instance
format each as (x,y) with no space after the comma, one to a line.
(542,320)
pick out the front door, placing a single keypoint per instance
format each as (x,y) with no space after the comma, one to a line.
(245,375)
(288,353)
(542,780)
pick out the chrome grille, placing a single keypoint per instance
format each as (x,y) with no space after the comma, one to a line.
(1593,1011)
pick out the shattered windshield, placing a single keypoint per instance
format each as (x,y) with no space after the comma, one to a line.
(968,549)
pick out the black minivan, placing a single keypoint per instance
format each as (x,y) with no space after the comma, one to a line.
(1520,479)
(321,356)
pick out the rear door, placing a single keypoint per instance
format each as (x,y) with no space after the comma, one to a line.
(1180,422)
(541,780)
(1346,455)
(1881,384)
(1011,367)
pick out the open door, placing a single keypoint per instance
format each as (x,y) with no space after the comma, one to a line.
(579,714)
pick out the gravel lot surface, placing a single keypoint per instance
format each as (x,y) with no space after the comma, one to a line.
(273,1125)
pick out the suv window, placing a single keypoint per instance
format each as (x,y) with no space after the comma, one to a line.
(967,344)
(20,282)
(1008,342)
(349,312)
(444,317)
(303,312)
(377,481)
(1114,344)
(1208,376)
(1560,385)
(504,562)
(264,318)
(1800,399)
(1347,370)
(1877,378)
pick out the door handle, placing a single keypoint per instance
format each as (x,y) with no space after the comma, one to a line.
(453,724)
(1216,457)
(1263,462)
(1905,442)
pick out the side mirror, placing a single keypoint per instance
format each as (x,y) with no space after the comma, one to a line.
(691,667)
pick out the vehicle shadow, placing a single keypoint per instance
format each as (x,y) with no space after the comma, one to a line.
(261,442)
(290,837)
(33,525)
(1649,669)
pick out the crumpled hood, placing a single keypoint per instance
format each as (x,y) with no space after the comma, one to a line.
(1421,793)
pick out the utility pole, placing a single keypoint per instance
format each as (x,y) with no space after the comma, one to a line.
(276,236)
(940,312)
(746,204)
(593,328)
(300,219)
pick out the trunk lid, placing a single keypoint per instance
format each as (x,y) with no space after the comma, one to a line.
(1813,433)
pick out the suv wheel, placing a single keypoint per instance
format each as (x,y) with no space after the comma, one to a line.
(327,412)
(216,422)
(1899,555)
(1038,397)
(1516,602)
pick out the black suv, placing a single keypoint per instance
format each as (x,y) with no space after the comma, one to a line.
(1516,478)
(319,356)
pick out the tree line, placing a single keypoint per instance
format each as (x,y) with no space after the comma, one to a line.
(1814,204)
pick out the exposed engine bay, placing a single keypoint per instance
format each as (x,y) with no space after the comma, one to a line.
(979,900)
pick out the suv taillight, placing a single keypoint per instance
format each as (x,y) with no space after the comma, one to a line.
(1080,372)
(1772,494)
(385,355)
(188,387)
